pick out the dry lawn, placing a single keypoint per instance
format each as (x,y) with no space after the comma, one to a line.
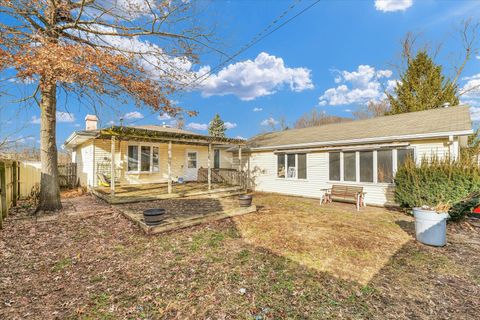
(334,238)
(279,263)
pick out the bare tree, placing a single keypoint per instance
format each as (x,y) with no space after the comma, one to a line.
(372,110)
(141,49)
(468,33)
(318,118)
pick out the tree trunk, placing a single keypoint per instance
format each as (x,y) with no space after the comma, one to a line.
(49,185)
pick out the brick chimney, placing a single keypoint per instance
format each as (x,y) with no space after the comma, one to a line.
(91,121)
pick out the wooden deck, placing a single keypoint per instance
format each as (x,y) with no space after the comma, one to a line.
(159,191)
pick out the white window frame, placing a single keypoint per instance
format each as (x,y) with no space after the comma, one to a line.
(139,146)
(375,166)
(186,158)
(296,166)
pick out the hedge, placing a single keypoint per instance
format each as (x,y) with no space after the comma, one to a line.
(434,182)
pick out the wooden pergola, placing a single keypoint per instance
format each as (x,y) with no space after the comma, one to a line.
(139,134)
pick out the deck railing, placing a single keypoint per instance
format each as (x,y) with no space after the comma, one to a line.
(226,176)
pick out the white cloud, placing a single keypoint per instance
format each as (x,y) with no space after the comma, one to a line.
(164,116)
(35,120)
(393,5)
(240,137)
(470,93)
(269,122)
(475,113)
(229,125)
(61,117)
(197,126)
(358,86)
(133,115)
(257,109)
(348,110)
(111,123)
(252,79)
(76,125)
(478,57)
(65,117)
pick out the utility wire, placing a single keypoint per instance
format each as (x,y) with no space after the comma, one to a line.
(255,40)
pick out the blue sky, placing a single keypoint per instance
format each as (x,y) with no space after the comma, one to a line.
(335,57)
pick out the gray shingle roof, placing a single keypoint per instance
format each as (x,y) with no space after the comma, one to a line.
(452,119)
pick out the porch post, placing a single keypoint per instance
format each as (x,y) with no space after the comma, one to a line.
(112,166)
(240,158)
(209,167)
(169,167)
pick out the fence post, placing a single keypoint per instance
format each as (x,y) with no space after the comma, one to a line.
(14,183)
(3,192)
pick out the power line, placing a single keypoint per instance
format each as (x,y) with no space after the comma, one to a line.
(255,40)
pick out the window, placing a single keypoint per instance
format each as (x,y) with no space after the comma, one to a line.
(366,166)
(334,166)
(281,165)
(145,159)
(132,158)
(302,165)
(382,162)
(291,167)
(155,160)
(192,160)
(403,155)
(384,166)
(216,159)
(349,166)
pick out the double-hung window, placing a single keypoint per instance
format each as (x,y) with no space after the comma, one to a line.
(143,158)
(292,165)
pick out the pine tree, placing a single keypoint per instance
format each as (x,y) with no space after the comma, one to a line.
(217,127)
(422,86)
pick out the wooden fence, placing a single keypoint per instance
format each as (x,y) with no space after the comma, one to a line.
(22,179)
(9,187)
(227,176)
(67,175)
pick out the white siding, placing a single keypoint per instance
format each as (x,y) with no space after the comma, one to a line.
(84,160)
(263,166)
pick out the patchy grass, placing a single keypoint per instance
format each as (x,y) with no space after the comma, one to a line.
(267,265)
(334,238)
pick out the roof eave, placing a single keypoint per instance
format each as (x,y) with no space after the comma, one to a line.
(365,140)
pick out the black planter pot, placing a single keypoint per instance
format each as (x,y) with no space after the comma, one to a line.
(245,200)
(153,217)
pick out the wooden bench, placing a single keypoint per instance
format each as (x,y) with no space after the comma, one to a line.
(347,193)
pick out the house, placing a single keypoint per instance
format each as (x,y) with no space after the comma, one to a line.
(365,153)
(132,155)
(301,162)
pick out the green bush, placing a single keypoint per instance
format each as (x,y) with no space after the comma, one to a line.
(436,182)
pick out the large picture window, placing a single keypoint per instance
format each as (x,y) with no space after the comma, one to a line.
(302,165)
(143,158)
(403,155)
(349,166)
(334,166)
(384,166)
(367,165)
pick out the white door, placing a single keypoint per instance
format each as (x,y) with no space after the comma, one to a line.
(191,167)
